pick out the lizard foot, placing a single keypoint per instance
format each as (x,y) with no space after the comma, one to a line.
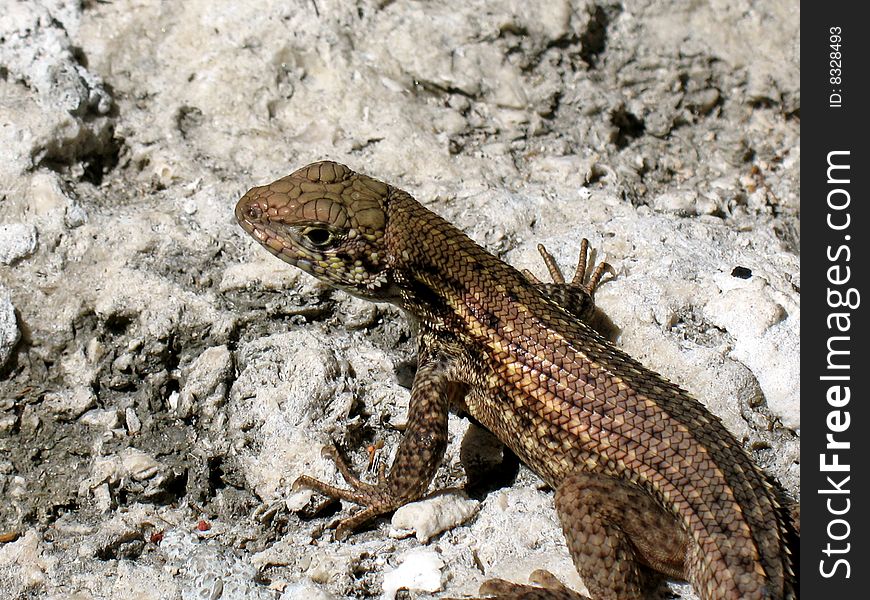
(587,284)
(577,296)
(547,588)
(417,456)
(374,497)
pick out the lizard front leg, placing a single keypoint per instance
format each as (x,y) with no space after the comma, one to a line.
(417,457)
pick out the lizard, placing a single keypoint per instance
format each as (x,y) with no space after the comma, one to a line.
(648,483)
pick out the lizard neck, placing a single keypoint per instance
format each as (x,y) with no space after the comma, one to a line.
(438,268)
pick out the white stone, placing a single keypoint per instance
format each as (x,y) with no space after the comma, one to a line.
(9,332)
(420,569)
(17,241)
(427,518)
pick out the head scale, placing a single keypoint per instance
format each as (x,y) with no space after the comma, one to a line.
(326,220)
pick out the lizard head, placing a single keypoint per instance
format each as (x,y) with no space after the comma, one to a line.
(329,222)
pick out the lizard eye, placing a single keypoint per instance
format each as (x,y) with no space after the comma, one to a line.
(319,237)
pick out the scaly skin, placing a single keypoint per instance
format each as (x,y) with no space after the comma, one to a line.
(648,482)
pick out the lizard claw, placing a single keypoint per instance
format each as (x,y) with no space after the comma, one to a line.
(590,284)
(366,495)
(375,498)
(360,491)
(331,452)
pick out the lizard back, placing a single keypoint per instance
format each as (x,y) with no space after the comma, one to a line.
(563,398)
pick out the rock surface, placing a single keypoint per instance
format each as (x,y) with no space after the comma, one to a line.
(163,380)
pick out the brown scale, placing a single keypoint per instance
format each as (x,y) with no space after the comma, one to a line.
(648,483)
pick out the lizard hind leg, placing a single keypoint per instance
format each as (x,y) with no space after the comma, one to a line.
(622,543)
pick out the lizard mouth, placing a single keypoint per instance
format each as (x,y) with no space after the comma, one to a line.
(254,219)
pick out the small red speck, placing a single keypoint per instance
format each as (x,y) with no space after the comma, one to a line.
(156,537)
(203,525)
